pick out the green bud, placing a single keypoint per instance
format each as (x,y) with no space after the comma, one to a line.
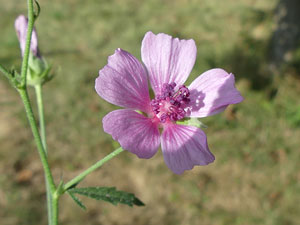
(38,71)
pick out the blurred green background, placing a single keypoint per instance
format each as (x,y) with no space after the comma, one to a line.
(255,178)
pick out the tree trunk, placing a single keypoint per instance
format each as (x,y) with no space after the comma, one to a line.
(286,37)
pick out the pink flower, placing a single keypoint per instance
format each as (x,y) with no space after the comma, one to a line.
(168,63)
(21,24)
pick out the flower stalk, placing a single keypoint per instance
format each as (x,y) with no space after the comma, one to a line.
(40,139)
(40,105)
(98,164)
(50,185)
(27,44)
(24,96)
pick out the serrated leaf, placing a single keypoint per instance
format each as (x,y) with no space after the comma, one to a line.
(192,122)
(109,194)
(77,201)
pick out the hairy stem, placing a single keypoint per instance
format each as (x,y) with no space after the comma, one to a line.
(41,145)
(48,175)
(40,105)
(5,72)
(27,44)
(98,164)
(37,138)
(54,209)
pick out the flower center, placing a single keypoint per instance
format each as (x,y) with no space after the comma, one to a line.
(170,104)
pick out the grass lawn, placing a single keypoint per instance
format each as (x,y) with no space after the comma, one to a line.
(255,178)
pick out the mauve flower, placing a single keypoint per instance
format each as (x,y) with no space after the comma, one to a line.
(21,24)
(168,63)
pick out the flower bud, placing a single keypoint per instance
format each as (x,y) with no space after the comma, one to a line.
(38,69)
(21,24)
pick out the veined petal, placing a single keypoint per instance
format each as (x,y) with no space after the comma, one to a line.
(184,147)
(21,24)
(212,92)
(135,132)
(167,59)
(123,82)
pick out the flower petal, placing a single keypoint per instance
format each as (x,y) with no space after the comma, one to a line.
(123,82)
(21,24)
(212,92)
(184,147)
(135,132)
(167,59)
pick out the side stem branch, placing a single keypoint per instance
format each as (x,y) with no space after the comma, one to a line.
(98,164)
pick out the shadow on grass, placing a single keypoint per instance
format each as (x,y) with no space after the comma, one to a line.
(248,60)
(250,57)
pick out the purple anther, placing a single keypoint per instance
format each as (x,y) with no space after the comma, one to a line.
(163,117)
(170,104)
(172,116)
(167,90)
(184,91)
(173,85)
(173,108)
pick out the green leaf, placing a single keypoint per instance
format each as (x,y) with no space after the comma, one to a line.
(109,194)
(76,200)
(192,122)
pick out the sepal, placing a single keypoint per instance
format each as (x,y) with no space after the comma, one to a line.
(38,71)
(192,122)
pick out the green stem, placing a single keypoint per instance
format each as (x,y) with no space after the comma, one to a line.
(82,175)
(40,105)
(37,138)
(41,145)
(50,185)
(5,72)
(27,44)
(54,209)
(49,204)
